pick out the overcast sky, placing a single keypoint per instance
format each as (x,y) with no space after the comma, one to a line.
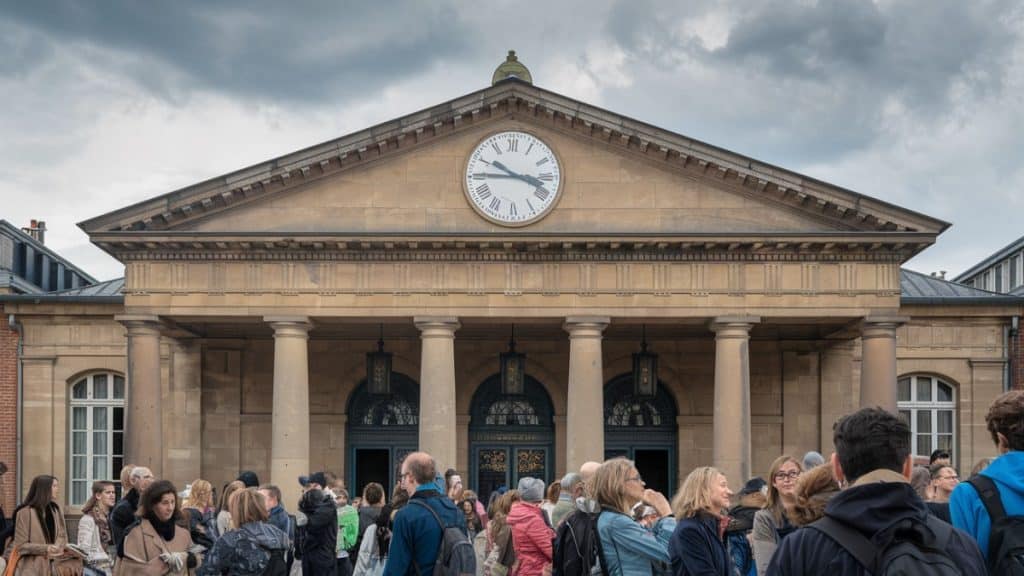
(919,103)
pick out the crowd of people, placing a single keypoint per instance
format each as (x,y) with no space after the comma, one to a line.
(865,510)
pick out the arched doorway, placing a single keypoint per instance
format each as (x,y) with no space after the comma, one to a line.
(510,436)
(644,430)
(381,430)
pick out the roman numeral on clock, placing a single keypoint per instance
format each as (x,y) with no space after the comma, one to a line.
(541,193)
(542,161)
(495,204)
(512,209)
(513,145)
(546,176)
(483,192)
(479,176)
(497,149)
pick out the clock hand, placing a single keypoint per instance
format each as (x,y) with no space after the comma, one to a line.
(525,178)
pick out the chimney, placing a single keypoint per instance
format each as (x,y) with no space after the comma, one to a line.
(942,274)
(37,230)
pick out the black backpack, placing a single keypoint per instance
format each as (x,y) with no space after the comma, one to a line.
(1006,538)
(277,565)
(911,548)
(455,556)
(578,547)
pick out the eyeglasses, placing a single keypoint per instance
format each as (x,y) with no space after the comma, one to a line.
(787,475)
(635,479)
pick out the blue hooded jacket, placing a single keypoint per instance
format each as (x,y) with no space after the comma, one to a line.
(965,505)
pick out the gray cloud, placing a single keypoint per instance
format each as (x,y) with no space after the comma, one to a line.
(261,50)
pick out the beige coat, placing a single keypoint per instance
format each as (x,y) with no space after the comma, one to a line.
(30,540)
(143,547)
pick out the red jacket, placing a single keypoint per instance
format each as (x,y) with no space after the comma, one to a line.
(531,538)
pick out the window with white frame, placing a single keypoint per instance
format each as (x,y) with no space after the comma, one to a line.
(97,433)
(1017,270)
(928,405)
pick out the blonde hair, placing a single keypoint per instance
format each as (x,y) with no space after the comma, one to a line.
(695,494)
(247,506)
(126,477)
(774,504)
(609,484)
(200,496)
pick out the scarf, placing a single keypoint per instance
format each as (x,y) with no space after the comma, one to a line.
(102,524)
(164,529)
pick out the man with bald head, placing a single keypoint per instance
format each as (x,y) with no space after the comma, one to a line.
(416,535)
(588,468)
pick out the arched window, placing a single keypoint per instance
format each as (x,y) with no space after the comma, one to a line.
(928,405)
(97,432)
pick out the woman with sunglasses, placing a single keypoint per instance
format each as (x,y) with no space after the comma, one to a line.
(772,524)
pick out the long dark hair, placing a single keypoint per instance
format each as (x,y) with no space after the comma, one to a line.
(156,491)
(40,494)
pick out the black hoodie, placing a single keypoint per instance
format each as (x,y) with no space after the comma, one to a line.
(877,501)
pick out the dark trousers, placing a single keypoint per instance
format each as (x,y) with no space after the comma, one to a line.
(344,566)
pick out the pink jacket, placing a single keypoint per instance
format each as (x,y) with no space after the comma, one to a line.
(531,537)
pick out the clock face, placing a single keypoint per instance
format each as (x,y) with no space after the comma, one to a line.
(513,178)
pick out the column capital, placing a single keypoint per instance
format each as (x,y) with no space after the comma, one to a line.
(289,326)
(585,326)
(881,326)
(733,326)
(437,326)
(140,324)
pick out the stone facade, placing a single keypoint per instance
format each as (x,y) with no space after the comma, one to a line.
(250,302)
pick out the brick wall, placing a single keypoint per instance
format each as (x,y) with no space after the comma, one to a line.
(8,413)
(1017,360)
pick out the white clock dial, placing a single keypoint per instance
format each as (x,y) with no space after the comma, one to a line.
(513,178)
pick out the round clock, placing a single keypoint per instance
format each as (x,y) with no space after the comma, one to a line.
(513,178)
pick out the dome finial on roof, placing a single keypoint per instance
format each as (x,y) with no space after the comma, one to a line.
(511,67)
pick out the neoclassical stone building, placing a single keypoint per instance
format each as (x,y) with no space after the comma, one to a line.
(253,304)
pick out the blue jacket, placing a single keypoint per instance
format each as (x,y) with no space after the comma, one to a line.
(279,518)
(244,552)
(416,537)
(965,505)
(629,548)
(696,549)
(877,501)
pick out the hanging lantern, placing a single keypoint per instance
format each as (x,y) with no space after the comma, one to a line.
(513,368)
(645,370)
(378,368)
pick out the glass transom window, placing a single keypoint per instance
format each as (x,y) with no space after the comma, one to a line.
(928,405)
(96,433)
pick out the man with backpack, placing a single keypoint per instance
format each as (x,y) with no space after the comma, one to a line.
(990,506)
(878,524)
(429,535)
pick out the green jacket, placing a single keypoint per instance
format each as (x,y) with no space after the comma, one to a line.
(348,529)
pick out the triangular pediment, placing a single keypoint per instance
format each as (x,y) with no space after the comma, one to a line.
(622,177)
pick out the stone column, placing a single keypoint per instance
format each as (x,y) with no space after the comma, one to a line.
(878,361)
(584,419)
(438,423)
(143,416)
(183,438)
(289,444)
(731,424)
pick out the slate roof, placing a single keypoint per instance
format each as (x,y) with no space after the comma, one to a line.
(992,260)
(918,288)
(109,292)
